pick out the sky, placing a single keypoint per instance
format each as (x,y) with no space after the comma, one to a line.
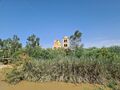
(98,20)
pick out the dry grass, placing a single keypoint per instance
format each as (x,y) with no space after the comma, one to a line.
(3,70)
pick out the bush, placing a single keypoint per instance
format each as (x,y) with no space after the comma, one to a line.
(15,76)
(65,69)
(81,65)
(79,52)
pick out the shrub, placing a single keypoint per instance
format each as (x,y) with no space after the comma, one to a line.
(65,69)
(15,76)
(81,65)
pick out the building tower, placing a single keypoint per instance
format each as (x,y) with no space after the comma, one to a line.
(65,42)
(57,44)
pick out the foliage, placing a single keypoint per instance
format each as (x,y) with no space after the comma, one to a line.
(32,41)
(66,69)
(10,46)
(75,39)
(114,49)
(15,76)
(78,52)
(113,85)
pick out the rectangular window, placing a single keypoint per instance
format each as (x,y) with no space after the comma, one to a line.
(65,40)
(65,45)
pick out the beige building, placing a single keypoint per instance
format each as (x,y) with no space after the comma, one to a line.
(57,44)
(65,43)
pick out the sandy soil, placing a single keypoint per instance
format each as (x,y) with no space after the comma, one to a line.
(48,86)
(5,66)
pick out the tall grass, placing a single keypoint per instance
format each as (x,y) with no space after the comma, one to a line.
(66,69)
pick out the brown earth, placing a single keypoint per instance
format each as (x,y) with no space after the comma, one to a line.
(49,86)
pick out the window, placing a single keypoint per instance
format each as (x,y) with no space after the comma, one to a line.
(65,45)
(65,40)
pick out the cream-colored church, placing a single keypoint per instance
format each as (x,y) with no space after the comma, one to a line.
(64,44)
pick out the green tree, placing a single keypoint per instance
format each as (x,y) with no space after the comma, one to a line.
(10,46)
(15,44)
(33,41)
(75,39)
(1,45)
(33,45)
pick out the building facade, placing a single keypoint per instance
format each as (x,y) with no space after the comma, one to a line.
(64,44)
(57,44)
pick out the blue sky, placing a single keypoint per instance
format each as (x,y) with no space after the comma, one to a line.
(98,20)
